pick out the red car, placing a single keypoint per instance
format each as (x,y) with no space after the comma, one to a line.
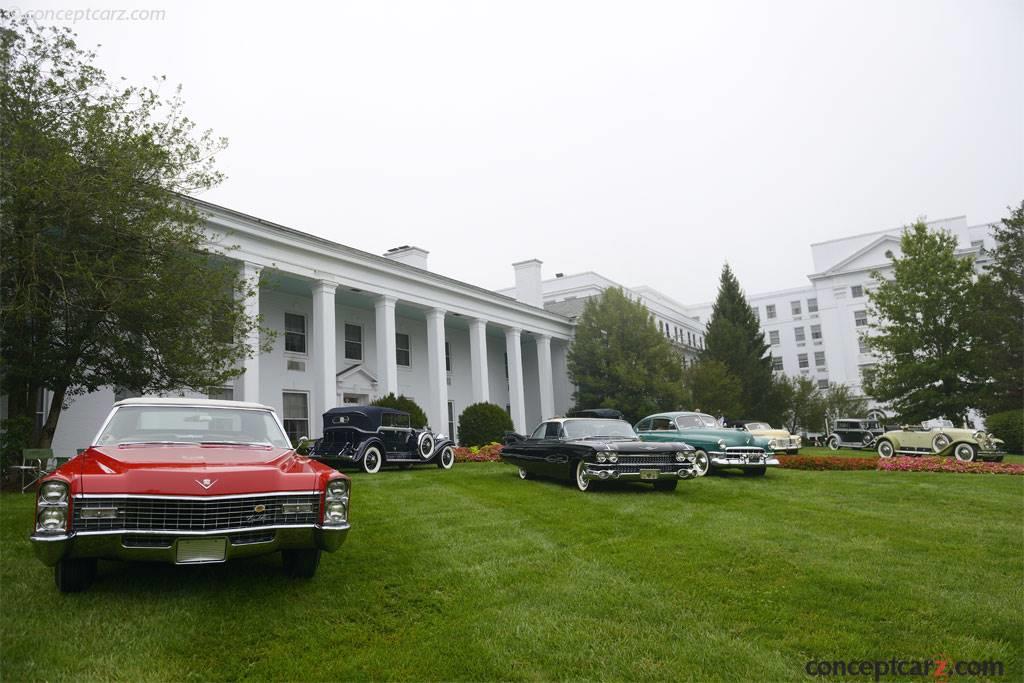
(188,481)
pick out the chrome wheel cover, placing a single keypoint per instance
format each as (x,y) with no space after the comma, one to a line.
(885,449)
(582,483)
(964,453)
(833,443)
(702,463)
(425,444)
(523,474)
(940,442)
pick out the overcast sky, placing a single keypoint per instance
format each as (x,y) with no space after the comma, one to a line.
(646,141)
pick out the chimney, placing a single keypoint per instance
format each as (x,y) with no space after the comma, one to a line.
(413,256)
(528,287)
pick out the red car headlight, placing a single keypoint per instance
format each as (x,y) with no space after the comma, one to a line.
(336,499)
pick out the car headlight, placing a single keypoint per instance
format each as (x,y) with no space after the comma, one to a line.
(772,443)
(53,492)
(613,458)
(600,457)
(721,443)
(680,456)
(52,519)
(978,435)
(335,512)
(337,490)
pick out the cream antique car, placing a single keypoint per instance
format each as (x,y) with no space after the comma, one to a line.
(779,440)
(940,437)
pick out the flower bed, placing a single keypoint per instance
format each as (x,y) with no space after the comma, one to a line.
(811,462)
(489,453)
(926,464)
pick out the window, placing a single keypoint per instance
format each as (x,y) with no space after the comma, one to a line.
(447,357)
(506,368)
(815,331)
(296,414)
(553,430)
(757,312)
(823,384)
(979,244)
(812,305)
(863,344)
(353,342)
(777,363)
(860,318)
(294,333)
(770,311)
(794,306)
(221,393)
(798,333)
(856,291)
(866,371)
(402,349)
(802,361)
(451,420)
(773,337)
(819,359)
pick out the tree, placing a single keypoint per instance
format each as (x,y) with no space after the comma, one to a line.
(417,418)
(735,339)
(999,317)
(618,359)
(839,401)
(804,408)
(106,276)
(713,389)
(923,334)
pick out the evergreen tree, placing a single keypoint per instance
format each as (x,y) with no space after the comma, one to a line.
(735,339)
(923,332)
(620,360)
(999,317)
(711,388)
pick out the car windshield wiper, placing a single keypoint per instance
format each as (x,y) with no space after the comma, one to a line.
(261,444)
(158,443)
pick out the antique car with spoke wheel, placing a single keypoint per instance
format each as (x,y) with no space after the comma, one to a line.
(716,447)
(940,437)
(188,481)
(585,451)
(370,437)
(853,432)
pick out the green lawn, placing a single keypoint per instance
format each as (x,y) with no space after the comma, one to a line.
(473,574)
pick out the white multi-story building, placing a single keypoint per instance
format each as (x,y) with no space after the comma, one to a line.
(353,326)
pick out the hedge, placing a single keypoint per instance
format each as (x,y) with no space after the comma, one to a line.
(483,423)
(1008,426)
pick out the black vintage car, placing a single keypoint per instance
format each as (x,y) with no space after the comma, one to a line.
(854,432)
(371,437)
(584,450)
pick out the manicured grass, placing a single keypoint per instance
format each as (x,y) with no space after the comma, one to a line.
(473,574)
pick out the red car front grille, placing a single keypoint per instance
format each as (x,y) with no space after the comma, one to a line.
(169,514)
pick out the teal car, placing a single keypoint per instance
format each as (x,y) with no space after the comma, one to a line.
(717,447)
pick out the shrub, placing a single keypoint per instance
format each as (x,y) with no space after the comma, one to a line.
(416,414)
(819,463)
(1008,426)
(915,464)
(489,453)
(483,423)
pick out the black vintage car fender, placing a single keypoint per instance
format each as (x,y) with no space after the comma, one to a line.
(373,441)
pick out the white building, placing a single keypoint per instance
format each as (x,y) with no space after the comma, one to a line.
(353,326)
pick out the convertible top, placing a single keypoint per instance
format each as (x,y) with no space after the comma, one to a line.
(363,417)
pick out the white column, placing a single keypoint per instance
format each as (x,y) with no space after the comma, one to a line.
(325,352)
(516,402)
(437,375)
(387,363)
(249,382)
(478,360)
(544,376)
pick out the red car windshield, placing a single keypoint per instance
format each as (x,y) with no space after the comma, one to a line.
(163,424)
